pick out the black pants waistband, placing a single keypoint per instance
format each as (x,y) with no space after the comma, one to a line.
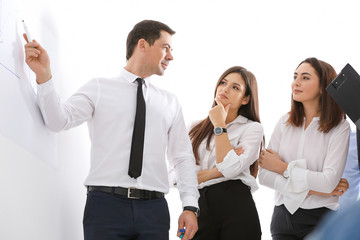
(132,193)
(225,184)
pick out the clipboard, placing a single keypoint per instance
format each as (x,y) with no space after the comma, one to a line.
(345,90)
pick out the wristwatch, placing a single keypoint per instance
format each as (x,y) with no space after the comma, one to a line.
(219,130)
(286,174)
(193,209)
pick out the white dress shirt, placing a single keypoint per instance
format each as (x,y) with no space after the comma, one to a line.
(244,133)
(316,162)
(108,106)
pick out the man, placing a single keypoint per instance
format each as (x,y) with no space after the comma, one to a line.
(351,171)
(343,224)
(126,197)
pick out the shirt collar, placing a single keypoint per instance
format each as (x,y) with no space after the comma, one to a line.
(128,76)
(239,119)
(313,119)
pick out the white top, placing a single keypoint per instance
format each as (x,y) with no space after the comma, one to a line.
(108,106)
(316,162)
(244,133)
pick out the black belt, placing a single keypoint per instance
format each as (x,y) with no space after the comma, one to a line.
(128,192)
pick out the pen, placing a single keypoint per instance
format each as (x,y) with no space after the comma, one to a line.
(27,31)
(182,233)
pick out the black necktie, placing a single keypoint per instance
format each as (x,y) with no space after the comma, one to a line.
(358,143)
(137,143)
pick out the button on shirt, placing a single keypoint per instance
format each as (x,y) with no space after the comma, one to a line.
(243,133)
(316,162)
(108,106)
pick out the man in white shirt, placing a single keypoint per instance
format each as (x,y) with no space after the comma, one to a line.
(120,205)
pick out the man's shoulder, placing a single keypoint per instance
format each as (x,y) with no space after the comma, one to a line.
(164,93)
(108,82)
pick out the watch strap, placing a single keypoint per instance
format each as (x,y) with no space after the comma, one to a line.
(193,209)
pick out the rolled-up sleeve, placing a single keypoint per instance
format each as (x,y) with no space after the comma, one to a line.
(296,183)
(233,165)
(321,173)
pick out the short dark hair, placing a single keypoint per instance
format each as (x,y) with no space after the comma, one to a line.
(148,30)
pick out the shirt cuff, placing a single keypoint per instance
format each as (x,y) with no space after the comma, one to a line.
(296,183)
(190,201)
(296,188)
(225,167)
(45,87)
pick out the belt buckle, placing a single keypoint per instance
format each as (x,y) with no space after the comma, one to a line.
(129,194)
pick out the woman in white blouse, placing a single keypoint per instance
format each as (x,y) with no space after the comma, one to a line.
(306,154)
(225,145)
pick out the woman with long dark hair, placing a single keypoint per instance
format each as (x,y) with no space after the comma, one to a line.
(226,146)
(306,154)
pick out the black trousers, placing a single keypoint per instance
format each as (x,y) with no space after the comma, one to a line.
(228,212)
(112,217)
(286,226)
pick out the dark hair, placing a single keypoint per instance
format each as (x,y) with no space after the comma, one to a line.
(147,29)
(204,129)
(330,113)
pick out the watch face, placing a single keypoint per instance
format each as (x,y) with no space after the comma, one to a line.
(218,130)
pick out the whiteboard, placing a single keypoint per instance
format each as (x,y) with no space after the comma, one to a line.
(20,119)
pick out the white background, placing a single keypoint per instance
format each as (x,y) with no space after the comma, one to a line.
(269,38)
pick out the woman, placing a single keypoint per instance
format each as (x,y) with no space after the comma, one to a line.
(306,154)
(225,181)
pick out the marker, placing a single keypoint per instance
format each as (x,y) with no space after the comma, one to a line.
(182,233)
(27,32)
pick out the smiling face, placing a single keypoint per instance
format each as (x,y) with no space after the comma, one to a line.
(231,89)
(306,85)
(158,55)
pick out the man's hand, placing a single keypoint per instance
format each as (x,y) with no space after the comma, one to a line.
(188,220)
(38,60)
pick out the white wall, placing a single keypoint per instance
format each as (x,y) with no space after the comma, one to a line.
(269,38)
(37,200)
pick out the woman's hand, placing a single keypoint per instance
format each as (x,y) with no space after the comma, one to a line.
(270,160)
(239,151)
(208,174)
(219,113)
(339,190)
